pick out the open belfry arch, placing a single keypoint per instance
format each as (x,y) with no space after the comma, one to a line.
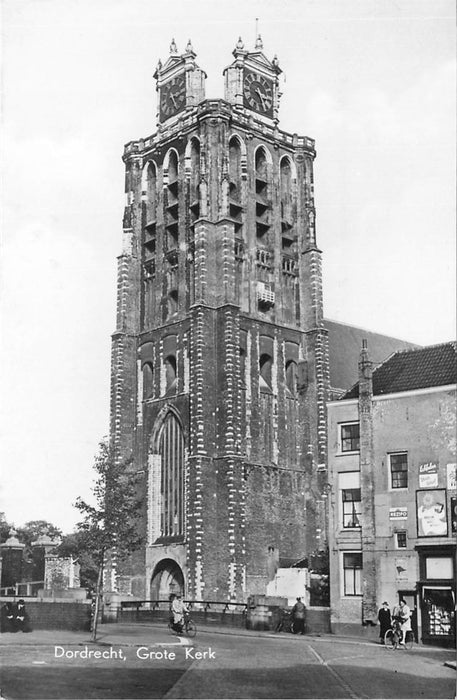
(220,357)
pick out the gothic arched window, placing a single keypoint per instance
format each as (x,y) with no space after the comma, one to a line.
(150,192)
(148,376)
(265,364)
(171,450)
(291,376)
(285,176)
(235,169)
(170,373)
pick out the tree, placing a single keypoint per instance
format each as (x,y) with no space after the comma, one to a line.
(110,526)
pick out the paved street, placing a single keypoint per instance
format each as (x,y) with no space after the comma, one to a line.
(144,661)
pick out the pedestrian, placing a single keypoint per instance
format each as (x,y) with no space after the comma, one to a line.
(298,617)
(7,618)
(384,620)
(178,608)
(21,618)
(171,598)
(404,613)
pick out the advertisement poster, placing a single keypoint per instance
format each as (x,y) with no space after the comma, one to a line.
(454,514)
(431,513)
(451,470)
(428,476)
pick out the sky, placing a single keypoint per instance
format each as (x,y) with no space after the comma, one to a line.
(372,81)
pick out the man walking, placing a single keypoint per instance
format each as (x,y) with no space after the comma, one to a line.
(298,617)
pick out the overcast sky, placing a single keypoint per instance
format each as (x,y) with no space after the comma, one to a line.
(371,80)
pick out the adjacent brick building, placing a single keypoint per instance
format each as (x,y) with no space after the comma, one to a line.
(392,467)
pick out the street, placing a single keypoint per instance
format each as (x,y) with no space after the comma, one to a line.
(144,661)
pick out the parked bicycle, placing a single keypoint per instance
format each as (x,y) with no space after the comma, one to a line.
(393,636)
(285,622)
(189,628)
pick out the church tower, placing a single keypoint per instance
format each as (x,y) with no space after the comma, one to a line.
(220,358)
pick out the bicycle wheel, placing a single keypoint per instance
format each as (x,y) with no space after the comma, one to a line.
(409,640)
(191,628)
(390,639)
(170,628)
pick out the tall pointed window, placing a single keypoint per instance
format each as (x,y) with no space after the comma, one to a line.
(171,449)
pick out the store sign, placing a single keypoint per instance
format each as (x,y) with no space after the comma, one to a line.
(431,513)
(454,514)
(398,513)
(428,475)
(451,476)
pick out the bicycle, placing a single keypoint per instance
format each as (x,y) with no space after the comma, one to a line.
(393,635)
(285,622)
(189,628)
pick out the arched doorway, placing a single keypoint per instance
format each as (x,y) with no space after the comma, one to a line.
(167,578)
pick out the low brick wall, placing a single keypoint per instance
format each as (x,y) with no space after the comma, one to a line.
(56,615)
(317,620)
(221,619)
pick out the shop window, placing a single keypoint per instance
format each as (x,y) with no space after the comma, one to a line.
(398,463)
(350,437)
(352,573)
(352,507)
(437,611)
(400,539)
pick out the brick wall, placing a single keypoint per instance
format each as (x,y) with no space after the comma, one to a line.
(53,615)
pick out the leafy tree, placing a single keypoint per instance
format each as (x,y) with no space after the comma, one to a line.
(5,528)
(33,529)
(110,526)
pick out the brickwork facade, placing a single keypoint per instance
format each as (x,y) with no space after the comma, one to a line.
(220,356)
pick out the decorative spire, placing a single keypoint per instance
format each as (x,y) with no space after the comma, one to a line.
(189,47)
(259,43)
(159,65)
(275,61)
(239,44)
(173,47)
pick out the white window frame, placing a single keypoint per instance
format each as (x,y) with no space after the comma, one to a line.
(389,466)
(347,481)
(351,596)
(401,532)
(340,438)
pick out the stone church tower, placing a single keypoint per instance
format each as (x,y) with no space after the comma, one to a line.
(219,358)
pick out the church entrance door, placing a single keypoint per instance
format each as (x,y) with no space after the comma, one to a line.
(167,578)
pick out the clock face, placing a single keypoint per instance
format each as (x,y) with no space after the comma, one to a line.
(258,93)
(172,97)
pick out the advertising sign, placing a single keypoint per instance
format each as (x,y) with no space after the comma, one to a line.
(451,476)
(428,475)
(398,513)
(431,513)
(454,514)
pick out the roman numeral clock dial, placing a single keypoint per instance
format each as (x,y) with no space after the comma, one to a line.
(172,97)
(258,93)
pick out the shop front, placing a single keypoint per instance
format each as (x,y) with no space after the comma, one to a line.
(436,589)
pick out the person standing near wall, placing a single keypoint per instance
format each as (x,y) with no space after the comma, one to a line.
(384,619)
(298,616)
